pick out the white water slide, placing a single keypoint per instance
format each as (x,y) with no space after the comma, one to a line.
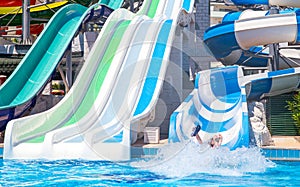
(247,31)
(118,85)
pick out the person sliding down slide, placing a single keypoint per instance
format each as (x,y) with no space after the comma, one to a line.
(215,141)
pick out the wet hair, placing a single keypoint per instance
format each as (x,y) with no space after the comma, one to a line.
(212,142)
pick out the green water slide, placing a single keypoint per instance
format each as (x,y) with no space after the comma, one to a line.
(82,95)
(19,92)
(113,4)
(35,69)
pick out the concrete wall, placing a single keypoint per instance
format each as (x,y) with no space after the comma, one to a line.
(188,56)
(177,85)
(202,16)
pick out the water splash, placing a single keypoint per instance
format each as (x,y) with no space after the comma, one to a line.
(184,159)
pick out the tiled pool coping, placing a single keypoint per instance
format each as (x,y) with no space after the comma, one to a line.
(282,154)
(140,152)
(270,153)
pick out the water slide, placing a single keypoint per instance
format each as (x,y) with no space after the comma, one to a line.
(242,25)
(117,86)
(218,103)
(19,92)
(286,3)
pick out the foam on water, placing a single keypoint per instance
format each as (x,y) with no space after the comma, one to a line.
(184,159)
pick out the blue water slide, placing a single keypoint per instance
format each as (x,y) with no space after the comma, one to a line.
(230,40)
(273,83)
(250,2)
(217,104)
(289,3)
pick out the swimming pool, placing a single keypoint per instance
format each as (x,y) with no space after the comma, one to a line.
(183,167)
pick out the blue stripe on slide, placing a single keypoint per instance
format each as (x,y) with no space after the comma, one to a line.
(281,72)
(244,97)
(173,137)
(243,138)
(193,111)
(154,69)
(115,139)
(264,85)
(186,5)
(259,87)
(188,98)
(231,16)
(213,127)
(253,62)
(224,82)
(197,81)
(298,23)
(236,97)
(220,39)
(245,130)
(252,2)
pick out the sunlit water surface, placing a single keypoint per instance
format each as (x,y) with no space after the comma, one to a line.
(184,164)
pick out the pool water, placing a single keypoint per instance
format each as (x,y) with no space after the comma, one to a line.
(179,165)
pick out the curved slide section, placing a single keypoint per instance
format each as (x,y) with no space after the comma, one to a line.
(245,33)
(219,103)
(18,93)
(256,56)
(273,83)
(289,3)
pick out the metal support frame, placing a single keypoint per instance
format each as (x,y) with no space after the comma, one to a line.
(131,2)
(274,53)
(69,77)
(274,48)
(26,22)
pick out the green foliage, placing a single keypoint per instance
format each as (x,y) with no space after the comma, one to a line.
(58,85)
(294,107)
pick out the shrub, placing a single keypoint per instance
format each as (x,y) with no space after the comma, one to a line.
(294,107)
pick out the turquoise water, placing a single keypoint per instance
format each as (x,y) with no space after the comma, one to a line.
(171,167)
